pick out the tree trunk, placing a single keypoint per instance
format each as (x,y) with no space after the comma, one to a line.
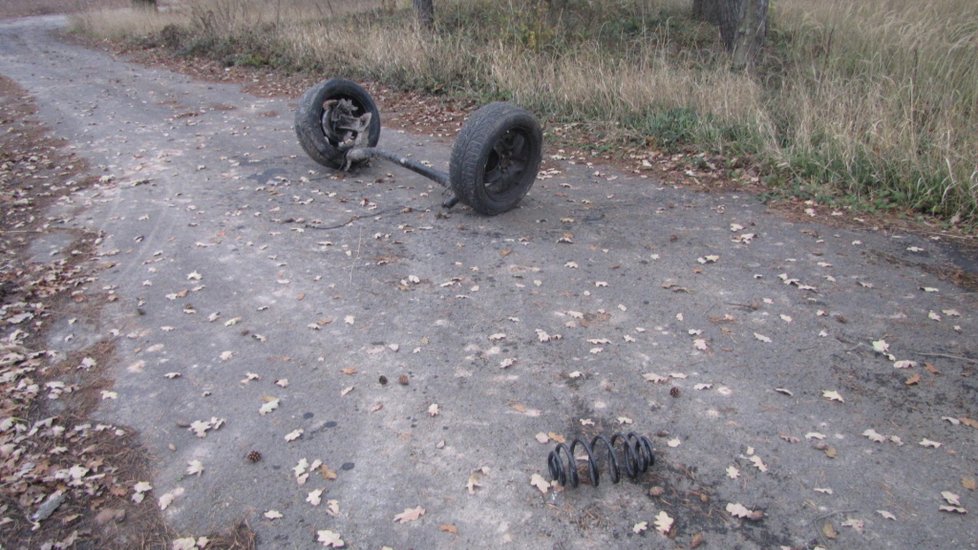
(426,13)
(751,32)
(707,10)
(742,23)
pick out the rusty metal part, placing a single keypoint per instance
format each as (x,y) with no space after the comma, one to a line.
(363,153)
(343,126)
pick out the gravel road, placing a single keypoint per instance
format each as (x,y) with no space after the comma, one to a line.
(381,354)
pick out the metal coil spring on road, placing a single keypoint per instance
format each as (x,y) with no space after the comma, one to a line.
(636,452)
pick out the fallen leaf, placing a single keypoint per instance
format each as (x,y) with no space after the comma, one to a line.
(294,434)
(733,472)
(433,409)
(829,531)
(833,395)
(969,422)
(409,514)
(856,524)
(785,391)
(880,346)
(738,510)
(955,509)
(273,514)
(674,442)
(758,463)
(762,338)
(912,380)
(823,490)
(169,497)
(874,436)
(194,467)
(541,484)
(314,497)
(969,483)
(951,498)
(270,404)
(886,515)
(663,523)
(542,437)
(928,443)
(448,528)
(329,539)
(556,437)
(654,378)
(640,527)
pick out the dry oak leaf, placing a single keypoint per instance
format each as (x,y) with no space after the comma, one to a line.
(929,443)
(639,527)
(273,514)
(733,472)
(541,484)
(433,409)
(448,528)
(329,538)
(663,523)
(762,338)
(886,514)
(409,514)
(969,483)
(314,497)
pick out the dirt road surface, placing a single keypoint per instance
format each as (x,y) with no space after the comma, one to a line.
(381,355)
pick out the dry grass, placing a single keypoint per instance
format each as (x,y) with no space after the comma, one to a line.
(871,103)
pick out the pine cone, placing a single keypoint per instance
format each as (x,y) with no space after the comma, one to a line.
(254,456)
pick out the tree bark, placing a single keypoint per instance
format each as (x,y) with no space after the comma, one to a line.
(742,23)
(751,32)
(426,13)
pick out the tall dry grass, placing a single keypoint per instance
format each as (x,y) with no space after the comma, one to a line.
(873,102)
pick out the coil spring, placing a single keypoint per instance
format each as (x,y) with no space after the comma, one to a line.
(636,451)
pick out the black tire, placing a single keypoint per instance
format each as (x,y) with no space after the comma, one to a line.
(309,119)
(495,158)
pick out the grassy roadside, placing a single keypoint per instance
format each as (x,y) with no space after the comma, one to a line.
(869,106)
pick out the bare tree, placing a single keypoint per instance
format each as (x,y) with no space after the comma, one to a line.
(426,13)
(743,25)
